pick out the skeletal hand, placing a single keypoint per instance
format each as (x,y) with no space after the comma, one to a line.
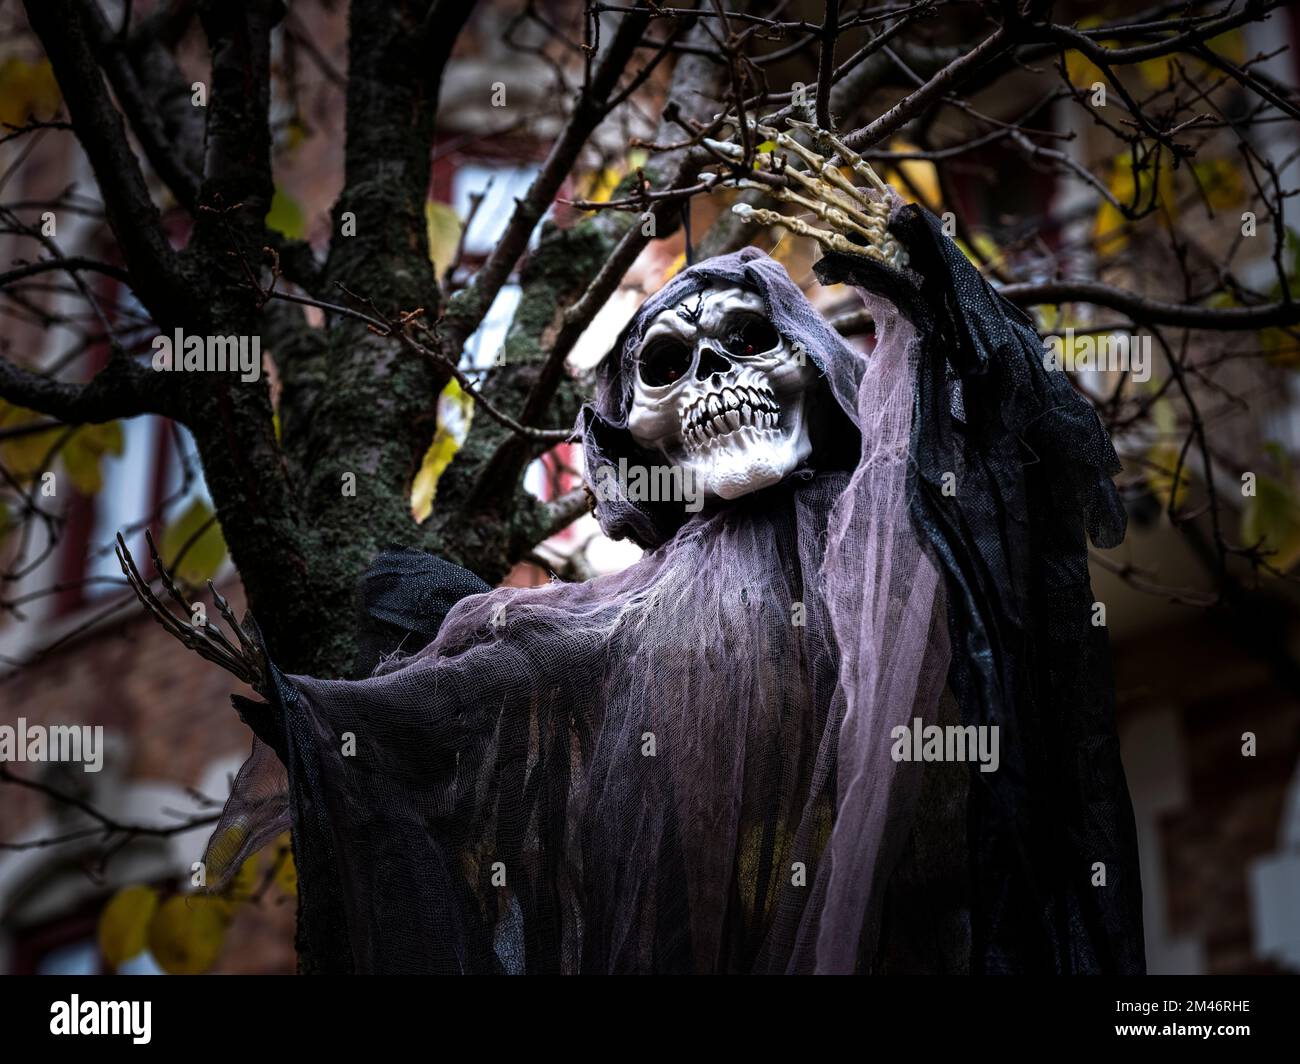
(848,210)
(244,660)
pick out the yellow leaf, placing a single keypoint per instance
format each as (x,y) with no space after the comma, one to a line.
(1280,348)
(1162,462)
(920,174)
(286,872)
(599,185)
(1108,229)
(203,557)
(25,456)
(245,881)
(443,227)
(1230,45)
(791,251)
(83,452)
(986,247)
(455,411)
(242,886)
(295,134)
(1271,518)
(124,924)
(1156,72)
(187,933)
(674,268)
(1221,182)
(1081,70)
(27,90)
(285,216)
(1164,417)
(224,848)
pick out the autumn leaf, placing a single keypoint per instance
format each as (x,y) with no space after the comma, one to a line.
(124,924)
(1162,462)
(224,848)
(1231,46)
(83,453)
(1221,181)
(186,934)
(25,456)
(599,185)
(286,871)
(674,268)
(1155,73)
(1163,457)
(203,557)
(919,174)
(27,90)
(1109,226)
(295,133)
(984,245)
(1271,518)
(1082,72)
(455,411)
(1280,347)
(443,227)
(285,216)
(243,884)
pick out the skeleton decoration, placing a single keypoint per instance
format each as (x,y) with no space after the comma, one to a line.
(686,766)
(721,393)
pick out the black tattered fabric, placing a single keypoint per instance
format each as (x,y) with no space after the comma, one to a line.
(657,771)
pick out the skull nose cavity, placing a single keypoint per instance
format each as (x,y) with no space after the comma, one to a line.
(711,363)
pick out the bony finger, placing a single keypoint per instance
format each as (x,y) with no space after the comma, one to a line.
(724,147)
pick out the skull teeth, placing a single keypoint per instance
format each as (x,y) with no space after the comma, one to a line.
(731,409)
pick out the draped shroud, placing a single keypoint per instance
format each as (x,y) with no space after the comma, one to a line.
(686,766)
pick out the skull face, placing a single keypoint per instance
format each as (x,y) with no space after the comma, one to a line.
(720,393)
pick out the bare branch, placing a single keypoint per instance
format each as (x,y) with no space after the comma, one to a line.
(826,63)
(563,511)
(948,78)
(1152,311)
(468,308)
(131,213)
(122,389)
(169,159)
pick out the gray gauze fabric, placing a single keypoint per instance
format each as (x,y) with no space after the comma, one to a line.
(684,766)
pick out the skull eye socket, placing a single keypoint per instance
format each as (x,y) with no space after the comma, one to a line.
(748,335)
(664,361)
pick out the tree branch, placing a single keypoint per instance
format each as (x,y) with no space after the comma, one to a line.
(469,307)
(168,158)
(122,389)
(940,83)
(1153,311)
(826,63)
(131,213)
(69,263)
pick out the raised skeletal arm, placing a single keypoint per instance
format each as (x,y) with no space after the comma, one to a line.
(856,218)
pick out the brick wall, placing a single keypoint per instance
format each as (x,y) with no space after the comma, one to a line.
(174,708)
(1229,807)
